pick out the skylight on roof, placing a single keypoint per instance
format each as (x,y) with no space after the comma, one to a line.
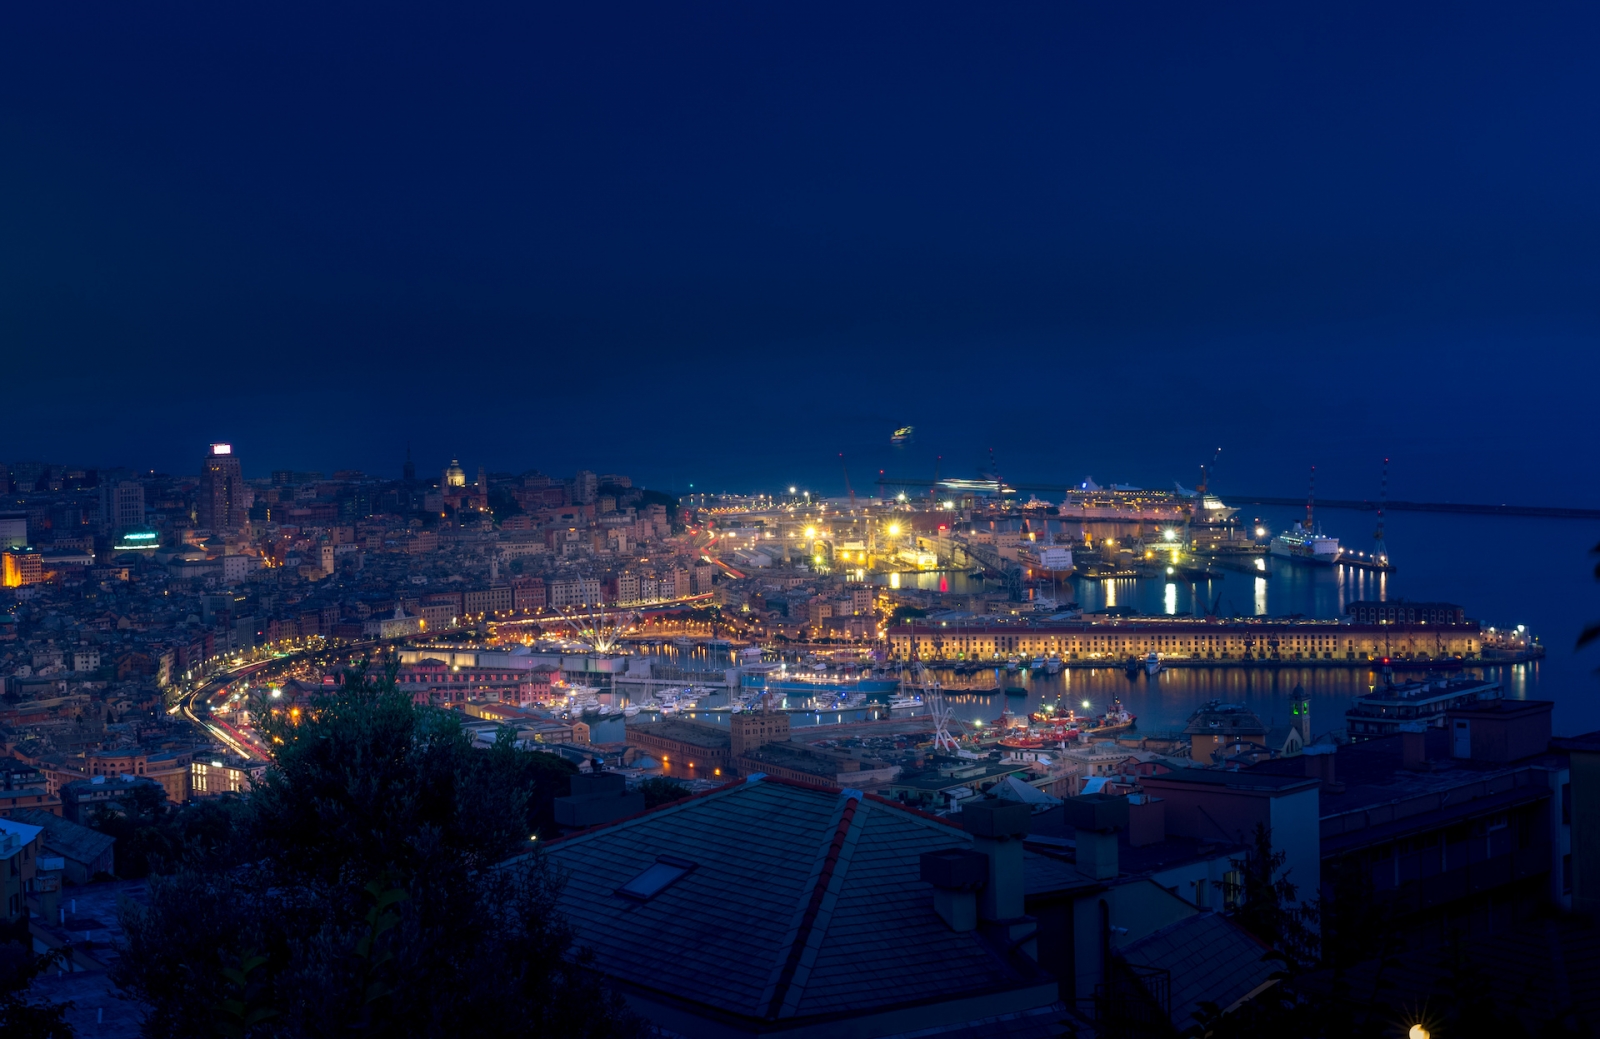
(659,876)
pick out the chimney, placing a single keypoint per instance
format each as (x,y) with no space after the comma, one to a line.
(956,875)
(1095,820)
(997,829)
(1414,747)
(1147,820)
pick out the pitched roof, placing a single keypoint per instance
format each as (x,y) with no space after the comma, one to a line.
(79,843)
(804,902)
(1210,958)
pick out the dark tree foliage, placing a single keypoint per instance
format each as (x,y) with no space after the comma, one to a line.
(1266,903)
(661,791)
(21,1018)
(902,613)
(381,881)
(151,833)
(1591,631)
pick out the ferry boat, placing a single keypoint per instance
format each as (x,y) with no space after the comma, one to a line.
(1303,544)
(1384,710)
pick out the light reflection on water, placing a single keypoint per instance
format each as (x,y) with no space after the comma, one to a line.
(1162,703)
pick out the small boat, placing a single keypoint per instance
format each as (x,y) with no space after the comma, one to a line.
(683,643)
(1052,666)
(1152,663)
(1038,662)
(1012,664)
(1016,691)
(631,710)
(1131,667)
(719,643)
(902,702)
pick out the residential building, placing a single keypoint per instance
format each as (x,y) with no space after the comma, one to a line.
(20,848)
(20,567)
(82,798)
(122,505)
(810,918)
(87,852)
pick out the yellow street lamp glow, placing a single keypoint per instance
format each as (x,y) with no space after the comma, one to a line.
(811,532)
(1417,1032)
(894,529)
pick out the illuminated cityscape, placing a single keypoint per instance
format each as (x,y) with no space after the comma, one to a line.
(939,521)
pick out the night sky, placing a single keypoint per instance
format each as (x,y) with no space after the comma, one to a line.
(722,244)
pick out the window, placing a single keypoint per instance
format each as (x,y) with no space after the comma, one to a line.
(659,876)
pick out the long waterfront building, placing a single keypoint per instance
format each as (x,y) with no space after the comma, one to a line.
(1186,638)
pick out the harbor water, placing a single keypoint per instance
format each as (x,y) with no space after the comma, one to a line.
(1505,572)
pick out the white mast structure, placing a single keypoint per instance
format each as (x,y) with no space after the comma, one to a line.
(939,710)
(601,630)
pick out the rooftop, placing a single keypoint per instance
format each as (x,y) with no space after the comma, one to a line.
(80,842)
(786,902)
(711,737)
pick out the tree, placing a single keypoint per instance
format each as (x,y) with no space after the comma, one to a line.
(1591,631)
(380,881)
(21,1018)
(1266,903)
(662,790)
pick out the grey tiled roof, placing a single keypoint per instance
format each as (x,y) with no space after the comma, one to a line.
(1210,957)
(805,902)
(79,843)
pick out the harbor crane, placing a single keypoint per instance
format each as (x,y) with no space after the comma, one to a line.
(848,489)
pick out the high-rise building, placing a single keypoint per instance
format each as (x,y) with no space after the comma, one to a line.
(221,504)
(121,505)
(584,487)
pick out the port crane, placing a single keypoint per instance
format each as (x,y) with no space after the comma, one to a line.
(848,489)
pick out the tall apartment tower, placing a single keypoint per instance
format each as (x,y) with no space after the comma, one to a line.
(121,505)
(221,504)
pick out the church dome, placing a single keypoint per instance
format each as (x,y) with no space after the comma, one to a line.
(455,476)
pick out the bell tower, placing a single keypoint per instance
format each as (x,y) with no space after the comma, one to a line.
(1301,715)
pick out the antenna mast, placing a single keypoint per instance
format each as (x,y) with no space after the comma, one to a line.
(1311,499)
(1380,551)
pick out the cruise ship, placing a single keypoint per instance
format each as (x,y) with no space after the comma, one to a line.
(1306,545)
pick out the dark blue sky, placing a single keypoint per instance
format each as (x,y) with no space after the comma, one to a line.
(722,244)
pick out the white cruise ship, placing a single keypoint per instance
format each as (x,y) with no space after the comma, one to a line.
(1306,546)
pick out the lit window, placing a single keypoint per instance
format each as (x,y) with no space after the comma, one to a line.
(661,874)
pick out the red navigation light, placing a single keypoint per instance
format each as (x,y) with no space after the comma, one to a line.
(1384,661)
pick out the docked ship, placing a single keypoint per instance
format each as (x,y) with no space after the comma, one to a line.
(1305,545)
